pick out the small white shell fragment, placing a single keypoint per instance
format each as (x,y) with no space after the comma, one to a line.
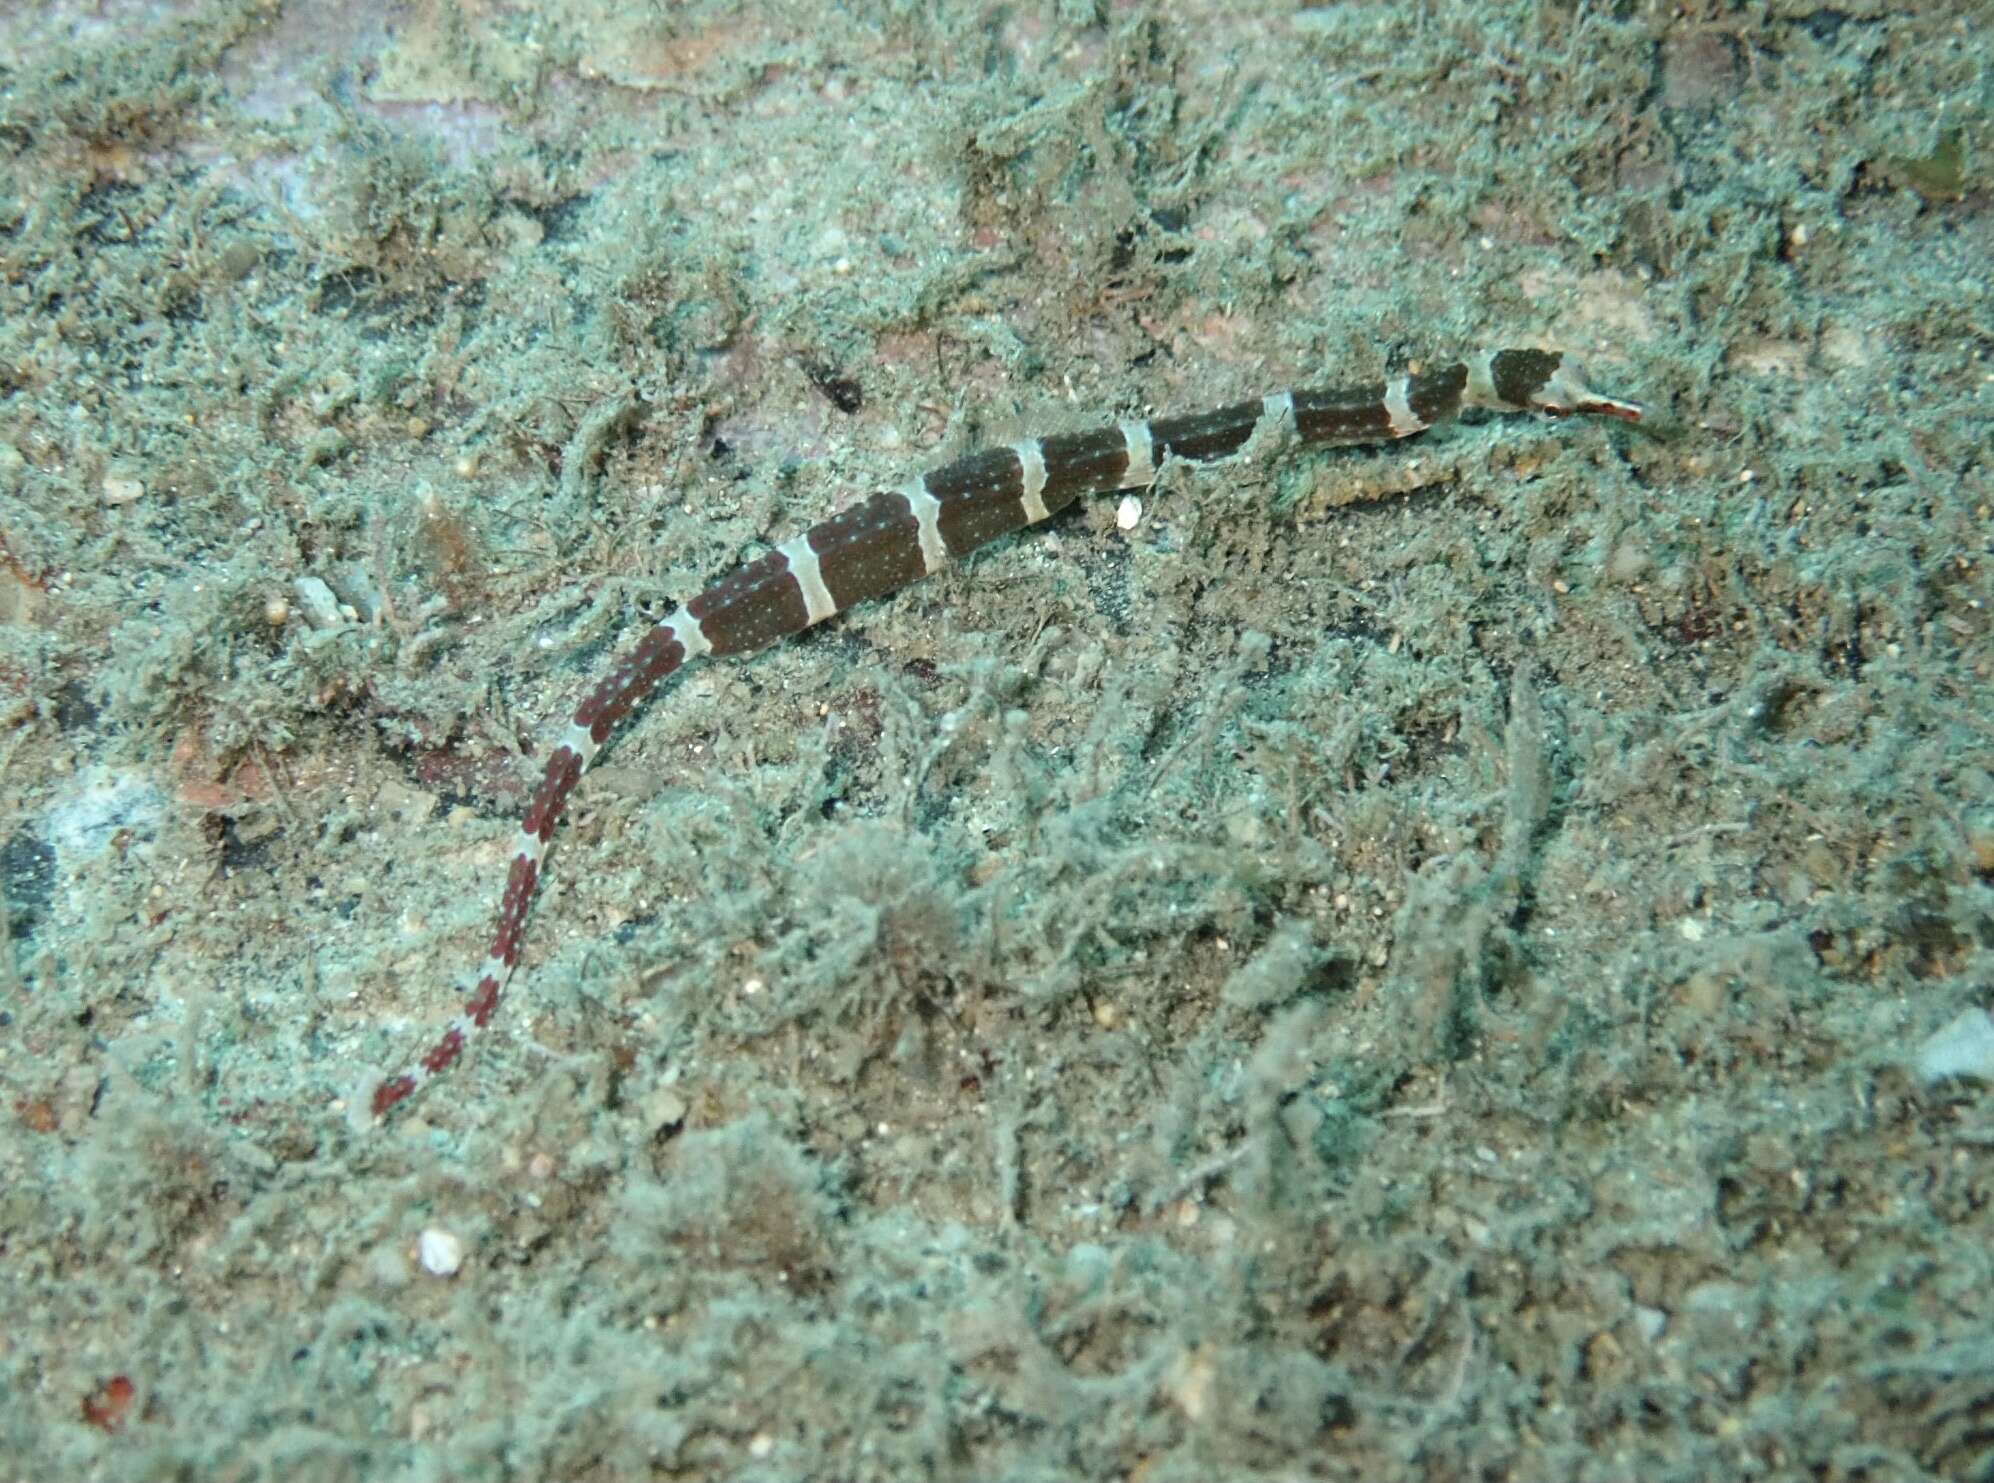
(441,1252)
(1128,514)
(665,1108)
(1963,1046)
(122,489)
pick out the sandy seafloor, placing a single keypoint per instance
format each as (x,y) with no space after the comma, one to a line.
(1403,963)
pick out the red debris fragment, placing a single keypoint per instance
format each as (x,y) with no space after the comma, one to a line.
(105,1407)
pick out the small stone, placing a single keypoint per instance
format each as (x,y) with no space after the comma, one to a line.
(318,604)
(1980,839)
(1964,1046)
(1191,1381)
(1649,1323)
(441,1252)
(665,1109)
(1128,514)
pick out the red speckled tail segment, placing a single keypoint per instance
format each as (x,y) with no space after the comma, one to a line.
(899,536)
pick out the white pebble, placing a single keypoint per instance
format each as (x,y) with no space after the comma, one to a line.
(1128,514)
(441,1252)
(318,603)
(665,1109)
(1650,1323)
(1963,1047)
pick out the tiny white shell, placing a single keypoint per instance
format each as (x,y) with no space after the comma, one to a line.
(441,1252)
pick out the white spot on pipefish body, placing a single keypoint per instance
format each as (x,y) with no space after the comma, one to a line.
(803,566)
(928,517)
(1398,408)
(1481,390)
(577,740)
(1141,449)
(1031,464)
(691,637)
